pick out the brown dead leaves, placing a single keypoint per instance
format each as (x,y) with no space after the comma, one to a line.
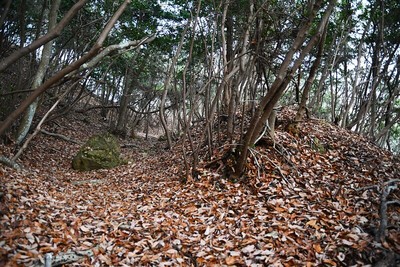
(298,206)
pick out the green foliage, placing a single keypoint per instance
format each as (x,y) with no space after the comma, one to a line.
(24,18)
(387,12)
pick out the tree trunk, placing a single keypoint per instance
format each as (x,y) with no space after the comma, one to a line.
(355,83)
(283,78)
(62,73)
(27,119)
(167,82)
(226,45)
(22,40)
(230,88)
(5,11)
(44,39)
(311,77)
(388,125)
(126,96)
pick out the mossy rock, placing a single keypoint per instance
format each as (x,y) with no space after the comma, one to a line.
(318,146)
(99,152)
(162,138)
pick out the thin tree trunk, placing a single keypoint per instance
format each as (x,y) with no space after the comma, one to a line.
(187,119)
(316,101)
(22,40)
(125,98)
(27,119)
(311,77)
(4,13)
(389,125)
(354,84)
(225,54)
(282,80)
(62,73)
(376,71)
(167,82)
(44,39)
(38,127)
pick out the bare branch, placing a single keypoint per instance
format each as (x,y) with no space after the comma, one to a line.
(65,71)
(44,39)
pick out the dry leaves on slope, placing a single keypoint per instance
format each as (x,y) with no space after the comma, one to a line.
(298,207)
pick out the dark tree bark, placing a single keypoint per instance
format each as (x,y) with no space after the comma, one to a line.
(311,77)
(283,78)
(27,119)
(126,96)
(62,73)
(4,12)
(44,39)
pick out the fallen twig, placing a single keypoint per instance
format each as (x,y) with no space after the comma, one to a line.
(274,164)
(64,258)
(63,137)
(130,145)
(385,191)
(368,188)
(387,188)
(256,161)
(37,129)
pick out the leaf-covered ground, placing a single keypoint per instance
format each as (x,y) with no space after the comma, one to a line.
(309,201)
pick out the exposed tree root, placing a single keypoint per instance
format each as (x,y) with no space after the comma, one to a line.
(10,163)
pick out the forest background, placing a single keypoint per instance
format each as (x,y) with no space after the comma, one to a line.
(175,62)
(213,78)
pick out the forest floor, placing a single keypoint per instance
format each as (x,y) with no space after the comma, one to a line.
(313,200)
